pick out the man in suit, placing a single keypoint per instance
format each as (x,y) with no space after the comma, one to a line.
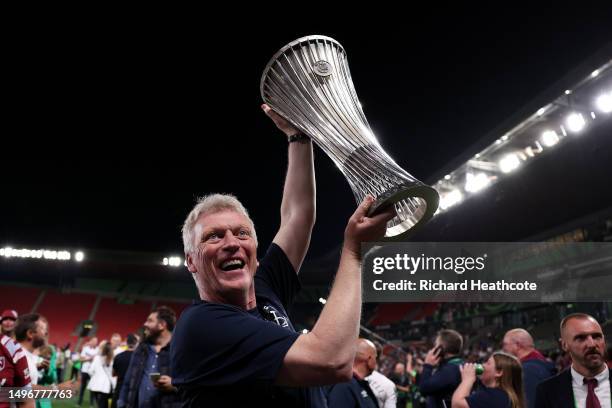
(586,384)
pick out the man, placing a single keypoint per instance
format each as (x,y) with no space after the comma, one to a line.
(587,382)
(441,375)
(357,392)
(116,344)
(147,382)
(32,332)
(88,353)
(401,379)
(383,388)
(7,322)
(14,370)
(121,364)
(237,347)
(536,368)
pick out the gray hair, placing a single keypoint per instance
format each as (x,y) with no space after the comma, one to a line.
(210,204)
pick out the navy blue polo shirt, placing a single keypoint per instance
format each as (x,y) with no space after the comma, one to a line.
(353,394)
(222,355)
(489,398)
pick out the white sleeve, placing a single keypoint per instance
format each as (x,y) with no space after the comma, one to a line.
(391,392)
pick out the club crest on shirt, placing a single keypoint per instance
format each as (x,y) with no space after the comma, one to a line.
(1,363)
(274,315)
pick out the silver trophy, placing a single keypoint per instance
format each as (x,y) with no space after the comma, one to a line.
(308,82)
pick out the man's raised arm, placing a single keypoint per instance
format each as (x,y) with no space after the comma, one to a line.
(298,206)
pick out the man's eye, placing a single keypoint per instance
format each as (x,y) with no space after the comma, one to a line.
(244,233)
(213,236)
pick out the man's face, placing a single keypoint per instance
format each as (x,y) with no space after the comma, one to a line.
(8,325)
(115,340)
(93,342)
(509,346)
(40,335)
(584,341)
(225,257)
(153,328)
(399,369)
(372,361)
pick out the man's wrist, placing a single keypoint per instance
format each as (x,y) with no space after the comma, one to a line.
(298,137)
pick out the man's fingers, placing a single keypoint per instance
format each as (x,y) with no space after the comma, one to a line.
(385,215)
(268,111)
(363,208)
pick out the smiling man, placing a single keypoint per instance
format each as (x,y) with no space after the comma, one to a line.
(237,346)
(587,382)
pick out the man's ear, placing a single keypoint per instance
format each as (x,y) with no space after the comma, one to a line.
(563,344)
(190,265)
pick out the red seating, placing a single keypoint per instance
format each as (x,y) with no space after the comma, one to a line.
(21,299)
(113,317)
(388,313)
(65,311)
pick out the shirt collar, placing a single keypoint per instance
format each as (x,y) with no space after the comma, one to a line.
(601,377)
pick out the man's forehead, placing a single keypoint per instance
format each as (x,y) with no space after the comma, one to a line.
(576,326)
(221,219)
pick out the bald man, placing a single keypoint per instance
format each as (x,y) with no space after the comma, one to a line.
(587,382)
(536,368)
(357,392)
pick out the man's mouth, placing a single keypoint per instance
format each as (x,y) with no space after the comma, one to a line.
(232,264)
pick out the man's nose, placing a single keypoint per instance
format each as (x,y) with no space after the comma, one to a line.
(591,342)
(230,242)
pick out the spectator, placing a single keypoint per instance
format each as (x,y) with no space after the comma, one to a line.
(503,384)
(7,322)
(587,381)
(121,364)
(88,353)
(102,383)
(383,388)
(14,371)
(357,392)
(116,344)
(441,375)
(147,382)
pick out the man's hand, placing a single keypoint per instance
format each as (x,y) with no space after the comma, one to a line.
(164,384)
(43,365)
(361,228)
(286,127)
(433,356)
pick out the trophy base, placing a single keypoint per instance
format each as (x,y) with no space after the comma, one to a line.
(414,205)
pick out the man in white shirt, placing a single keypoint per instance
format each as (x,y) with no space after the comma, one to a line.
(383,388)
(31,333)
(587,383)
(88,353)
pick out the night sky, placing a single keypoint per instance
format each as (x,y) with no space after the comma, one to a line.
(119,131)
